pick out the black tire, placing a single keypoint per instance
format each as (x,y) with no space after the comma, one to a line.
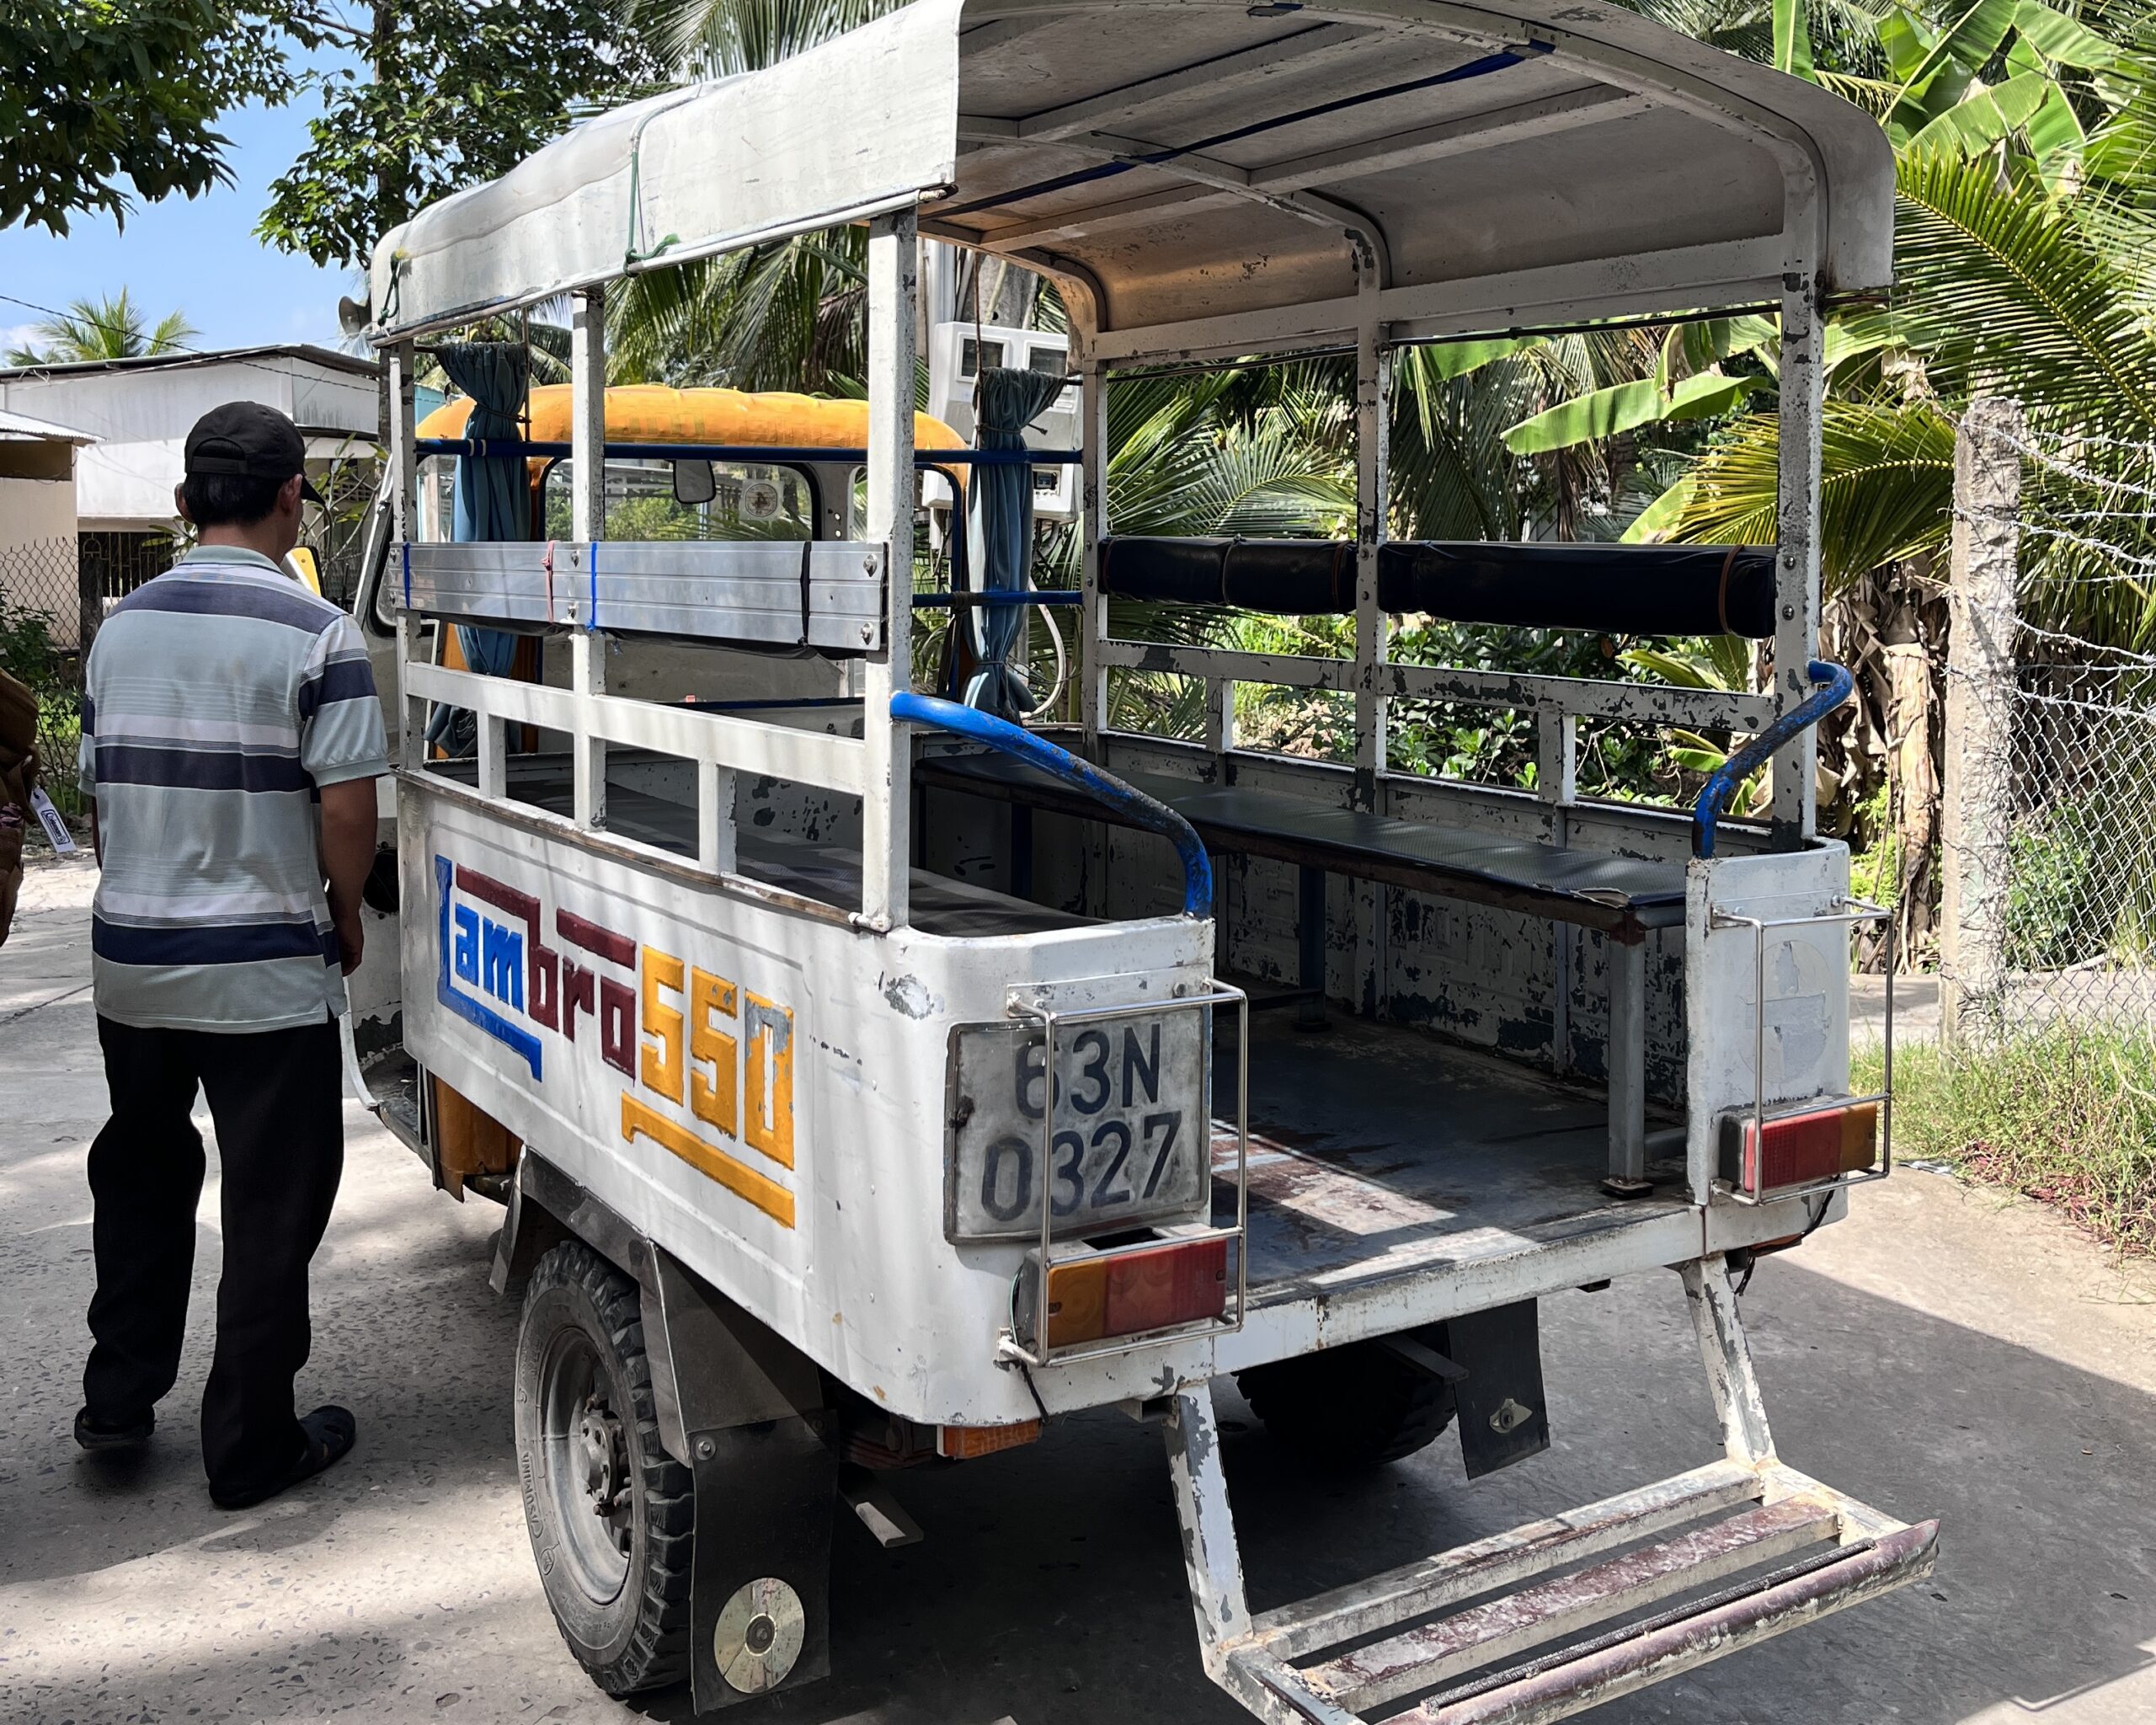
(586,1430)
(1349,1408)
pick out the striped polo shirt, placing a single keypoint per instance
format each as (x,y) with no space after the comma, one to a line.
(220,697)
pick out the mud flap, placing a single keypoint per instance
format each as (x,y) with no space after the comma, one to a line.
(1504,1416)
(759,1612)
(745,1411)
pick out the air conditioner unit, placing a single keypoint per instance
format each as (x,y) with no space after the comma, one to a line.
(957,352)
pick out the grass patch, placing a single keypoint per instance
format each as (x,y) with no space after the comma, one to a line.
(2066,1115)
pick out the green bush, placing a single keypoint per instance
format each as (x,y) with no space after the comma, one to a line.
(2052,920)
(29,654)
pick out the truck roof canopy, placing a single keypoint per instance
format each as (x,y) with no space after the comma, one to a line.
(1201,178)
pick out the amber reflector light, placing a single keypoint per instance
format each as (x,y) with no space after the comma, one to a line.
(1154,1289)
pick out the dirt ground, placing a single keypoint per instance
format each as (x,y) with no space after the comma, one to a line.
(1946,1352)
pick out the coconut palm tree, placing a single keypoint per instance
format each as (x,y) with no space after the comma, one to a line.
(109,328)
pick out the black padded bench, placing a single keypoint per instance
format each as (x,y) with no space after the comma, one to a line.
(1621,897)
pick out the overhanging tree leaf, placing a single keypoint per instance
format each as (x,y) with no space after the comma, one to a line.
(1792,39)
(1967,43)
(103,103)
(1885,489)
(1708,395)
(2062,39)
(1979,120)
(2019,299)
(1655,523)
(1457,359)
(1603,412)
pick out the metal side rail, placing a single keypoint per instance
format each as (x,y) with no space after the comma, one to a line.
(1560,1614)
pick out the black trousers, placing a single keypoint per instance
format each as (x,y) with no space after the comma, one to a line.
(276,1096)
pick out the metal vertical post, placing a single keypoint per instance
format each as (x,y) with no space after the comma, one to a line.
(1627,969)
(1093,528)
(1978,798)
(1093,607)
(1556,767)
(588,522)
(1211,1561)
(1220,720)
(1727,1357)
(1796,570)
(1373,494)
(716,833)
(404,511)
(1556,782)
(886,810)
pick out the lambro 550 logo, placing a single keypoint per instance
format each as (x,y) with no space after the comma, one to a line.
(698,1050)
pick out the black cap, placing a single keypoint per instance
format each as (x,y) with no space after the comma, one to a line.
(246,437)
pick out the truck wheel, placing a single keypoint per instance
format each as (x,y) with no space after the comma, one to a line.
(1348,1407)
(612,1516)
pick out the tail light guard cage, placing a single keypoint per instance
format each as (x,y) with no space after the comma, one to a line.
(1846,912)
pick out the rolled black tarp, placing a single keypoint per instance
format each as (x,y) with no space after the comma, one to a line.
(1619,589)
(1298,577)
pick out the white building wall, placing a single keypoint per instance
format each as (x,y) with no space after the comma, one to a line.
(37,552)
(141,414)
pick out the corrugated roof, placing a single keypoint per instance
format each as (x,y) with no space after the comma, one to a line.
(328,356)
(22,426)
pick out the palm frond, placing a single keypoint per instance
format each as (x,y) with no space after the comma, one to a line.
(2022,304)
(1886,486)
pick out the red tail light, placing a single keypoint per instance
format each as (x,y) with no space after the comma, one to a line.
(1800,1149)
(1126,1294)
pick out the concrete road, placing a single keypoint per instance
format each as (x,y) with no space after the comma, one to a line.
(1943,1354)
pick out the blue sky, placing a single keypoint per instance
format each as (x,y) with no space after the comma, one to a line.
(199,255)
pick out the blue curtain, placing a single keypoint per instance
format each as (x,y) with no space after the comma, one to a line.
(493,498)
(1001,526)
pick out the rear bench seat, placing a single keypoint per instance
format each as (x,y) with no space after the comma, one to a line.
(1621,897)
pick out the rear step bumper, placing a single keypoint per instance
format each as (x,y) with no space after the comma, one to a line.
(1853,1554)
(1561,1614)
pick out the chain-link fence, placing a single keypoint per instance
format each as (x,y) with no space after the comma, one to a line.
(2050,830)
(42,617)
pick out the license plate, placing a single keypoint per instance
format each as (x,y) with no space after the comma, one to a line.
(1128,1143)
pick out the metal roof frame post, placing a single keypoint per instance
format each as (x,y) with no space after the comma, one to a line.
(1093,528)
(1374,365)
(404,505)
(1093,605)
(1803,392)
(886,805)
(588,519)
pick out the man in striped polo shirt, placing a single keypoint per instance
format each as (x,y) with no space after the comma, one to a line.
(232,738)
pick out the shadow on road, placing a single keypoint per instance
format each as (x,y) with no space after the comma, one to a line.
(1051,1586)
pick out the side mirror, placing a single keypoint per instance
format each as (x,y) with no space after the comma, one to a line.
(694,484)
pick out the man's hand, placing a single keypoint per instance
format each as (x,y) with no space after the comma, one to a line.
(351,940)
(347,829)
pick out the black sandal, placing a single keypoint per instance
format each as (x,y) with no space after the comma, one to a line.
(331,1432)
(101,1438)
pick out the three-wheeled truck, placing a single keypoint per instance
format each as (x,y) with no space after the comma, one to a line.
(870,1079)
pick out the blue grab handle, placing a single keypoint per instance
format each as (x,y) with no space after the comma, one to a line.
(1036,750)
(1834,684)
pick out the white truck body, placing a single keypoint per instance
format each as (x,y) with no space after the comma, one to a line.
(918,1097)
